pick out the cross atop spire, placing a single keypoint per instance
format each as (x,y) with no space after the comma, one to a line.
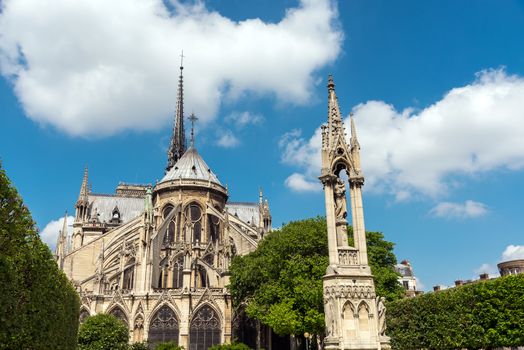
(178,139)
(193,118)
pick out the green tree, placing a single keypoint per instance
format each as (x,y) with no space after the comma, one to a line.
(103,332)
(281,282)
(139,346)
(38,305)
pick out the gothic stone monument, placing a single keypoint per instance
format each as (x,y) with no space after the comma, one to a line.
(355,316)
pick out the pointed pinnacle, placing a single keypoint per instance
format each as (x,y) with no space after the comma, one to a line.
(331,83)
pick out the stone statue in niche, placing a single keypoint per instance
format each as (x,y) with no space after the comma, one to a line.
(381,312)
(340,200)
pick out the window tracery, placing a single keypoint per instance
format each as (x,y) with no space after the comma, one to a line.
(205,329)
(193,216)
(164,326)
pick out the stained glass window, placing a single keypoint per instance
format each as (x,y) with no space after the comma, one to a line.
(163,326)
(205,330)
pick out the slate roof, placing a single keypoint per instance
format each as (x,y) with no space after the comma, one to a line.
(129,207)
(191,166)
(245,211)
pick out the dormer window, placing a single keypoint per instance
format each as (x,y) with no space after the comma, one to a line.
(115,216)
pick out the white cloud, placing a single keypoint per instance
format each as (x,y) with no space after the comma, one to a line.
(242,119)
(95,67)
(49,234)
(473,129)
(491,270)
(420,285)
(513,252)
(468,209)
(227,139)
(299,183)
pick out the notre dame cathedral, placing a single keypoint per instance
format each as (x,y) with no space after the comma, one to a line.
(157,257)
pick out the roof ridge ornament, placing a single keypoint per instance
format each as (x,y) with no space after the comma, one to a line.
(193,118)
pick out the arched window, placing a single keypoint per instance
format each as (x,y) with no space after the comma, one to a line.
(193,216)
(167,209)
(163,326)
(213,227)
(171,230)
(119,313)
(84,314)
(204,330)
(178,272)
(129,275)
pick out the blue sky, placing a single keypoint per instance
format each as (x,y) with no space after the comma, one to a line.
(437,88)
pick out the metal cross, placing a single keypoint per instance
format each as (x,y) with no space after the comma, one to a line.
(193,118)
(182,59)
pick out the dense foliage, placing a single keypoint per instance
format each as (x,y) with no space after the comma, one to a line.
(482,315)
(281,282)
(38,305)
(139,346)
(103,332)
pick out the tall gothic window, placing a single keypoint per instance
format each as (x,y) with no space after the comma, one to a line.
(213,227)
(163,326)
(194,217)
(204,330)
(178,275)
(201,280)
(119,313)
(129,276)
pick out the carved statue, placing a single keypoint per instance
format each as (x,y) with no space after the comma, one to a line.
(381,312)
(340,200)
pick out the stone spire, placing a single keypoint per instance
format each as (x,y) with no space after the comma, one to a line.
(84,190)
(63,233)
(355,146)
(335,124)
(62,243)
(178,139)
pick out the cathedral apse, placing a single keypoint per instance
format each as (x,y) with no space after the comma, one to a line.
(157,256)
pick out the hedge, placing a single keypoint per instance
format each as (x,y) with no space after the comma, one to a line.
(481,315)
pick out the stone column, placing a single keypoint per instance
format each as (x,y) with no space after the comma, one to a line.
(357,213)
(327,181)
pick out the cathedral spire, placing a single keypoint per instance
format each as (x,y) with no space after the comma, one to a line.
(178,139)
